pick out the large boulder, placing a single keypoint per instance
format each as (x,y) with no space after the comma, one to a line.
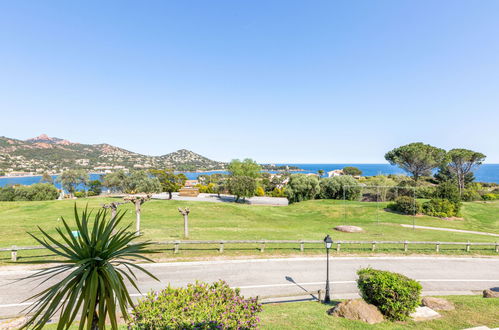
(490,294)
(424,314)
(349,229)
(358,310)
(437,304)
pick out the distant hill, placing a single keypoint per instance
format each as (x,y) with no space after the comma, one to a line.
(44,153)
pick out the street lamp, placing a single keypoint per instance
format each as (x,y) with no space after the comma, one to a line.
(328,242)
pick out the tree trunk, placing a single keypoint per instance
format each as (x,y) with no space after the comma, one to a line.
(137,214)
(169,195)
(186,226)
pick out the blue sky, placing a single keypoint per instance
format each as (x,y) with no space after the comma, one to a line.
(277,81)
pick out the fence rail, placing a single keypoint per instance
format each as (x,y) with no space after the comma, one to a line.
(263,243)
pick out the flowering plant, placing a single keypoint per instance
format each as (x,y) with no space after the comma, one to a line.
(198,306)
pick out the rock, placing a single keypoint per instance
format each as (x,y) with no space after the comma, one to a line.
(349,229)
(438,304)
(357,309)
(424,314)
(490,294)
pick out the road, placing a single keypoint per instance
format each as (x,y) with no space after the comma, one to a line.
(289,276)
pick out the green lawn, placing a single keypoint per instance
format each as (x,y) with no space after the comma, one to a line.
(471,311)
(307,220)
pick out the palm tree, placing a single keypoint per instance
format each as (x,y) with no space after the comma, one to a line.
(96,263)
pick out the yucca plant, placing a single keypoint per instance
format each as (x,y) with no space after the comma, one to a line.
(95,265)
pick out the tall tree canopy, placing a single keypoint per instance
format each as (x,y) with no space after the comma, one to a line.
(417,158)
(170,181)
(71,179)
(247,167)
(462,162)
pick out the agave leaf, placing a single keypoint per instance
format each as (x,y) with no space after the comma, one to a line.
(94,284)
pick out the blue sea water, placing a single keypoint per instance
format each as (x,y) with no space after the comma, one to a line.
(485,173)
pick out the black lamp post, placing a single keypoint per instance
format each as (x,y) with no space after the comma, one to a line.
(328,242)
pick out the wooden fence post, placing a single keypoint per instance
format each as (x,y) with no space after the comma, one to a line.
(13,253)
(262,247)
(302,246)
(221,249)
(406,246)
(373,246)
(437,247)
(497,247)
(338,247)
(319,295)
(468,246)
(176,247)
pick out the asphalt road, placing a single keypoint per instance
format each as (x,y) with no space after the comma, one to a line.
(289,277)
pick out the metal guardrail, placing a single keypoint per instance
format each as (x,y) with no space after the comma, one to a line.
(221,244)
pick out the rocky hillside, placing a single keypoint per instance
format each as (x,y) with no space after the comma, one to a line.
(45,153)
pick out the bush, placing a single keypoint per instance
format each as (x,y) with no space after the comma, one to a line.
(426,192)
(207,189)
(442,208)
(448,190)
(406,205)
(278,192)
(199,306)
(486,197)
(394,294)
(79,194)
(260,191)
(470,195)
(340,187)
(35,192)
(7,194)
(302,187)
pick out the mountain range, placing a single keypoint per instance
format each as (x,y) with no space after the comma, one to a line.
(51,154)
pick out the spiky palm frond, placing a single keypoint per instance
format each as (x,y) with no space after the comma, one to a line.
(96,265)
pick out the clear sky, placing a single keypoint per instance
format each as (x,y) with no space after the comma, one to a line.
(277,81)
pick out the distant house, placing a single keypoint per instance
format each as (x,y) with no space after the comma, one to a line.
(332,173)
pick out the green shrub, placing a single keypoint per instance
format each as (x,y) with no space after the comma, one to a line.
(35,192)
(426,192)
(79,194)
(490,197)
(442,208)
(278,192)
(340,187)
(448,190)
(7,194)
(394,294)
(470,195)
(199,306)
(260,191)
(302,187)
(406,205)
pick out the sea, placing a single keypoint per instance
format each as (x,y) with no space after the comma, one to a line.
(485,173)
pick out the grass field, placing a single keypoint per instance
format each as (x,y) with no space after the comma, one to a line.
(471,311)
(309,220)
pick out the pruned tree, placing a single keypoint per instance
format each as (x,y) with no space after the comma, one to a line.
(462,162)
(113,206)
(417,158)
(137,200)
(185,213)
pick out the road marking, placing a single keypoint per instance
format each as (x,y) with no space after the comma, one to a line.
(292,284)
(241,261)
